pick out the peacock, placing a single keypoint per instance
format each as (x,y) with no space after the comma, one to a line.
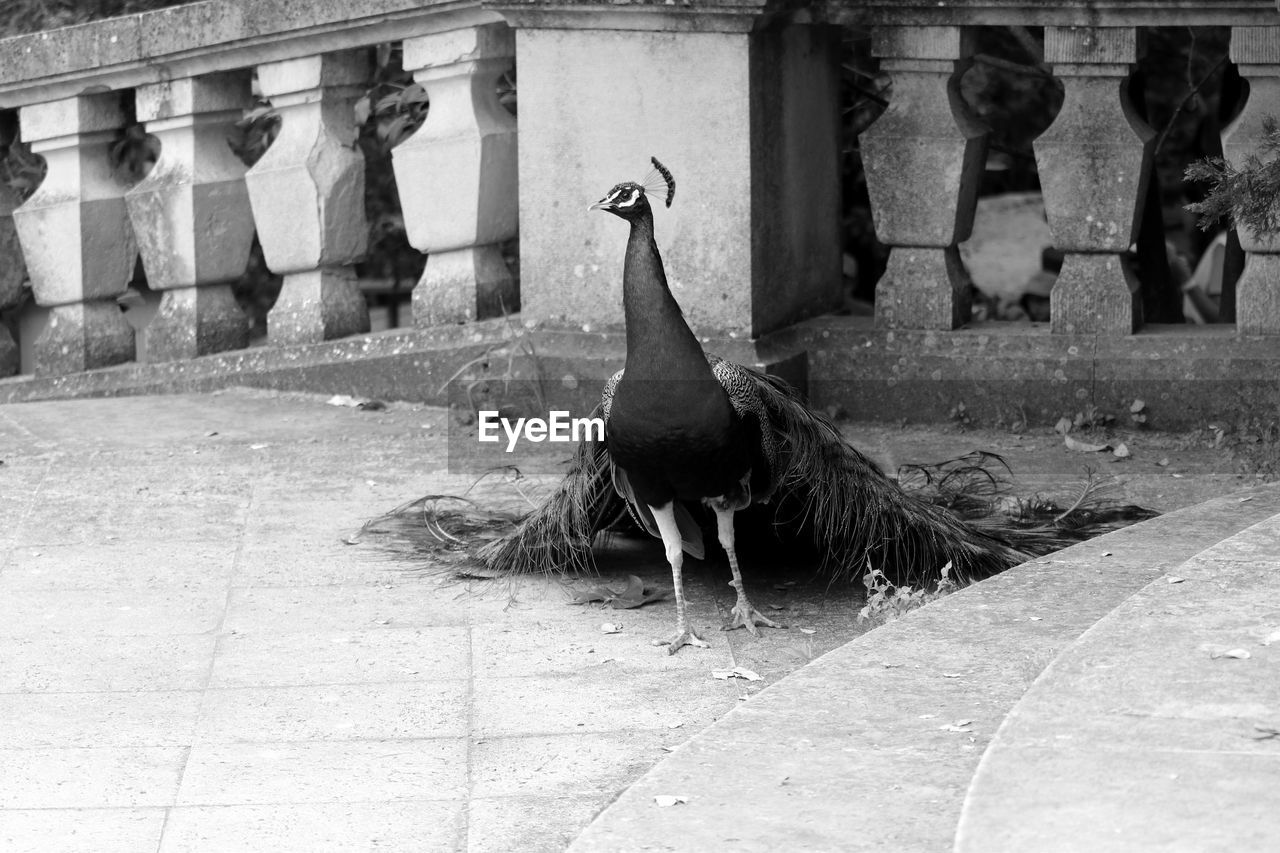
(687,433)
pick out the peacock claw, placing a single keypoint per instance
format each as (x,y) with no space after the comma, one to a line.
(746,616)
(682,638)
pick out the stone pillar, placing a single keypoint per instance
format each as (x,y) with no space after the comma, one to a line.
(1094,162)
(1256,51)
(307,194)
(745,119)
(192,217)
(76,236)
(458,176)
(924,160)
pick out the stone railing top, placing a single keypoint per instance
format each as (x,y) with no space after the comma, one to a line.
(1087,13)
(216,35)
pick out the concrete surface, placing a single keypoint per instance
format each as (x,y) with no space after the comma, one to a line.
(872,747)
(1160,728)
(191,658)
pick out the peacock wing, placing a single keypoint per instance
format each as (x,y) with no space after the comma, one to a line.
(690,532)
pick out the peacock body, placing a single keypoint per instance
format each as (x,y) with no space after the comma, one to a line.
(685,431)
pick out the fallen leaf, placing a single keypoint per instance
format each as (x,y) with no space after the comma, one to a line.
(676,724)
(1082,447)
(1235,654)
(1137,406)
(928,716)
(952,675)
(1035,618)
(636,594)
(343,400)
(610,628)
(666,800)
(1106,553)
(953,728)
(736,672)
(1175,579)
(1063,426)
(1164,463)
(1121,451)
(259,446)
(1246,500)
(808,630)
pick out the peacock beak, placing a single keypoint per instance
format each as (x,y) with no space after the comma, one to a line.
(602,204)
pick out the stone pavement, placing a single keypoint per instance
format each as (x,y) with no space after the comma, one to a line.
(192,659)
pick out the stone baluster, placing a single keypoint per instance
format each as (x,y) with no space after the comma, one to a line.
(192,217)
(1094,162)
(13,272)
(1256,52)
(924,159)
(457,175)
(76,236)
(307,193)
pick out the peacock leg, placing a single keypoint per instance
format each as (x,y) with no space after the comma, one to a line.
(670,532)
(744,615)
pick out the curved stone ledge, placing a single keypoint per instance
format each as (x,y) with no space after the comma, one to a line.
(1147,736)
(853,752)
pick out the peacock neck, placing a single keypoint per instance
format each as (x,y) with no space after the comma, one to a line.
(660,344)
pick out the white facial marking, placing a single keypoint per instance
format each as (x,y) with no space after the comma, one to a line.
(630,200)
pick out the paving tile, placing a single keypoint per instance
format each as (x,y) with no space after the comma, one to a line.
(385,654)
(142,562)
(48,830)
(70,663)
(530,824)
(336,712)
(569,764)
(289,562)
(325,772)
(278,610)
(133,719)
(98,777)
(573,641)
(611,699)
(419,826)
(110,612)
(91,518)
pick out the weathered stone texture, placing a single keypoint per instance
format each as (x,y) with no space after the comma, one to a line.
(1257,52)
(924,158)
(192,214)
(753,176)
(75,234)
(307,194)
(1094,161)
(459,174)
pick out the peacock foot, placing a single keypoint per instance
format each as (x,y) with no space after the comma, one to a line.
(684,637)
(746,616)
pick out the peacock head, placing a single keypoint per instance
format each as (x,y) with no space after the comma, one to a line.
(629,199)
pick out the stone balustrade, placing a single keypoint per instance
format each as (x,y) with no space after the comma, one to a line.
(738,97)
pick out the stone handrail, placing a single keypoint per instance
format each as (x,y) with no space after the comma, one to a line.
(738,96)
(192,218)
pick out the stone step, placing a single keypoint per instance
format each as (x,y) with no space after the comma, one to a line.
(1159,729)
(873,746)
